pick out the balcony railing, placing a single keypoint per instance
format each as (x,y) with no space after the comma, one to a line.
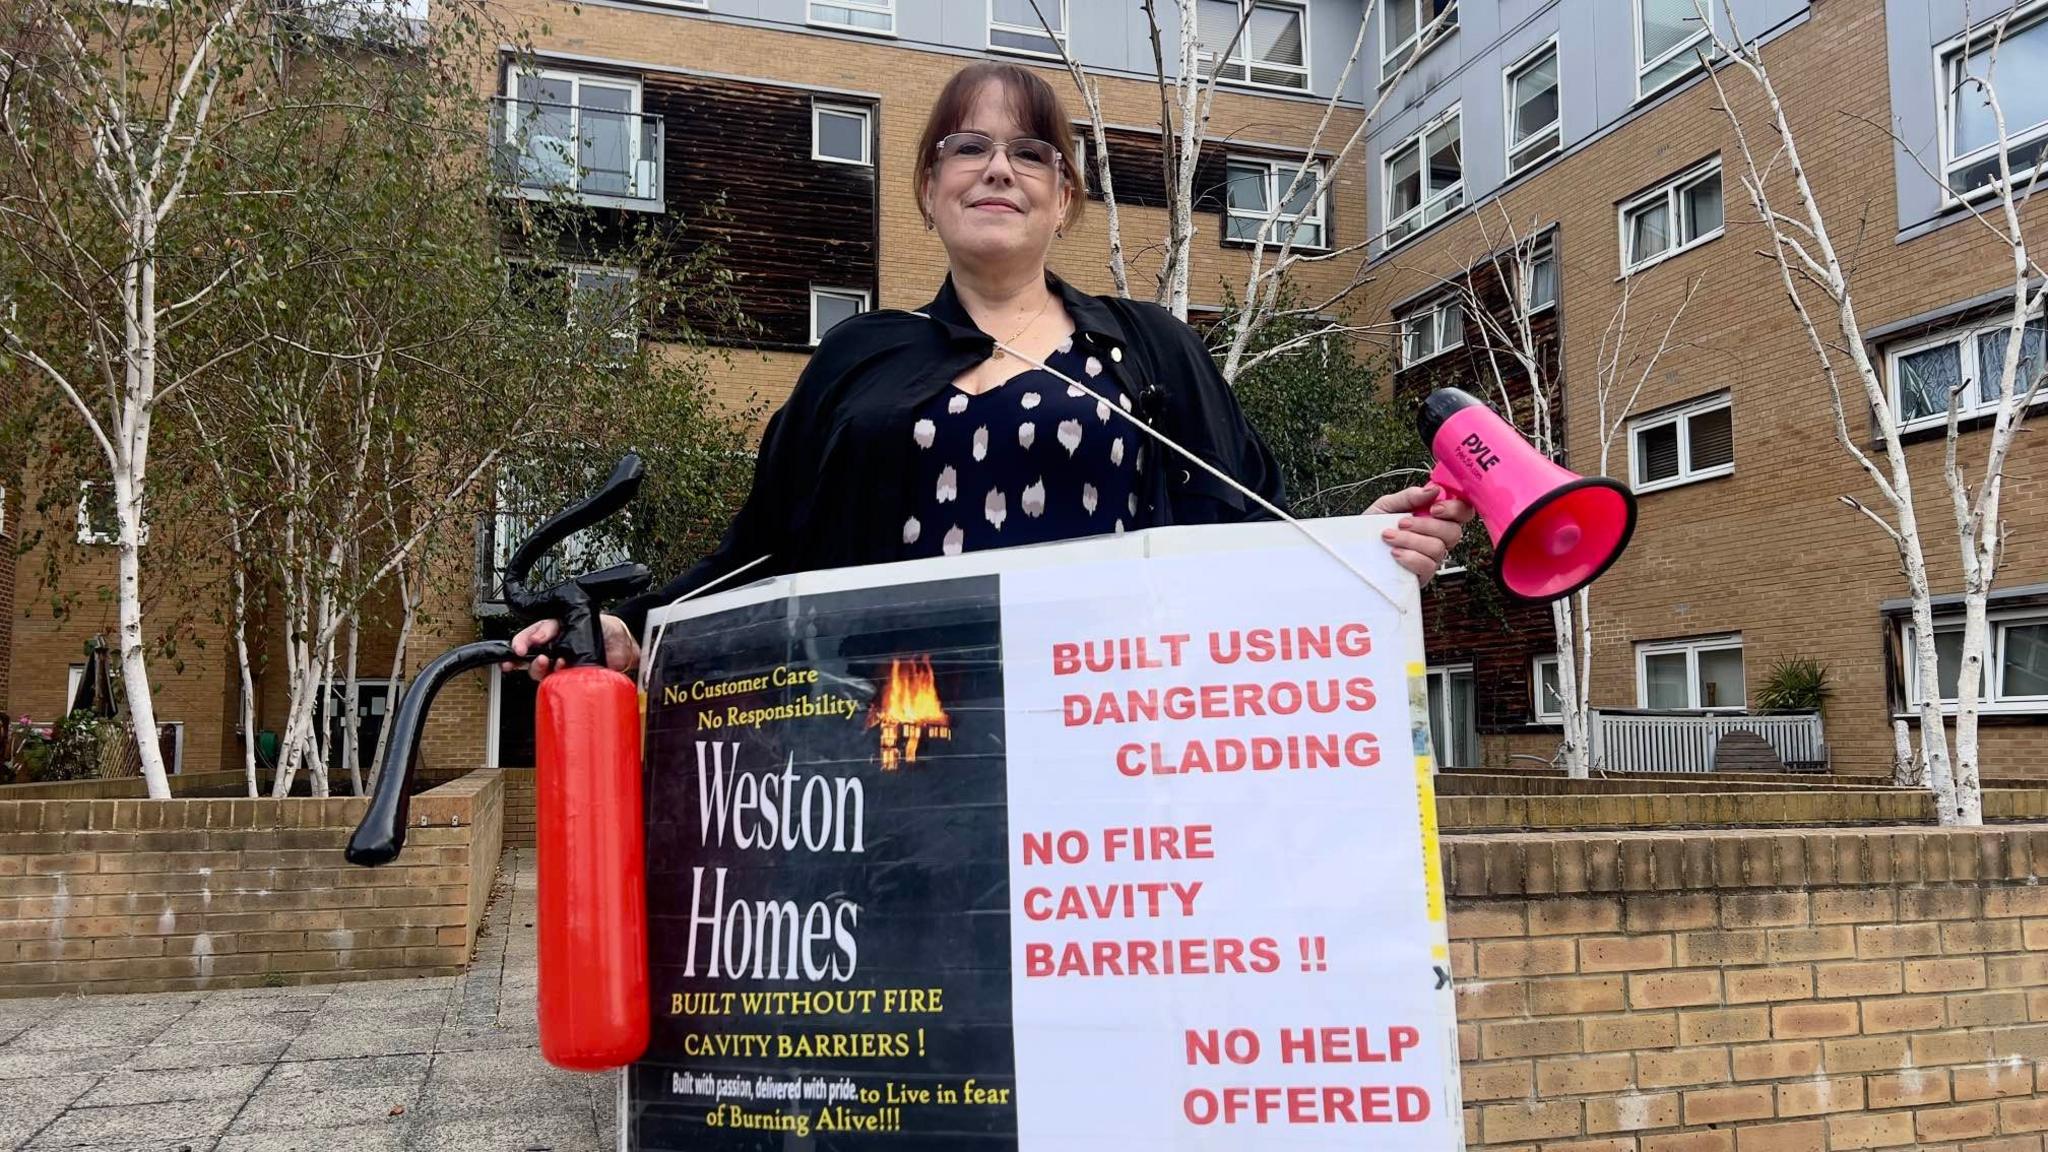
(1627,741)
(598,156)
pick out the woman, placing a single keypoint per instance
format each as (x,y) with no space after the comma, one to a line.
(914,434)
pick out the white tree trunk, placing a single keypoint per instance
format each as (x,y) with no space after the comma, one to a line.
(1564,615)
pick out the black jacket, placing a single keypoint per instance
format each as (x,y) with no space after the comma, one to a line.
(835,470)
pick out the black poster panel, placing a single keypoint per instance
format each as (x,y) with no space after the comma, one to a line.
(827,874)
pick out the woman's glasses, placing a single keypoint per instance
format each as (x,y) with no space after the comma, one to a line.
(1034,158)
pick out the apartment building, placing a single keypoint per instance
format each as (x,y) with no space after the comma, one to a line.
(1591,124)
(797,120)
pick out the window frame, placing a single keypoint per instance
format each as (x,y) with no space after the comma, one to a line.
(995,25)
(1645,67)
(1544,249)
(1441,674)
(1993,699)
(822,108)
(1949,57)
(1971,406)
(1241,52)
(1680,416)
(571,270)
(1691,647)
(1536,712)
(1428,36)
(1671,192)
(636,110)
(883,7)
(93,537)
(1435,311)
(1528,61)
(1420,213)
(1272,167)
(817,290)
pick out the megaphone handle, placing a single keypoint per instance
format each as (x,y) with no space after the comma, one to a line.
(1441,477)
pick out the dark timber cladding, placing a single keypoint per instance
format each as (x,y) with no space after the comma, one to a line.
(1138,168)
(739,174)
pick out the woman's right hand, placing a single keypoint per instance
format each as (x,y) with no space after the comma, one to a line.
(621,651)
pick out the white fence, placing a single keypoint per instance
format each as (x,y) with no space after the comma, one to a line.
(1686,741)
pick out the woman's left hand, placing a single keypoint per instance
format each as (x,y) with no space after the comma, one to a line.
(1430,526)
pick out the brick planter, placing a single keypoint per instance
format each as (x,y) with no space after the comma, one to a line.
(151,895)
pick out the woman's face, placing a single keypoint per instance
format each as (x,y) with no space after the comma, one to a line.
(988,208)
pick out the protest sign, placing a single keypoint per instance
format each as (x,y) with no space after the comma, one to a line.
(1119,843)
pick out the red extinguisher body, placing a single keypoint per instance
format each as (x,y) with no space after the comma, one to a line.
(591,851)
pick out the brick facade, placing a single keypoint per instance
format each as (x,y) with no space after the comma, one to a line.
(1769,552)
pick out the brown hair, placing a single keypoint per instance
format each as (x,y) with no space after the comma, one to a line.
(1038,110)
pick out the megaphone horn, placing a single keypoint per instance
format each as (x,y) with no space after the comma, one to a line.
(1554,531)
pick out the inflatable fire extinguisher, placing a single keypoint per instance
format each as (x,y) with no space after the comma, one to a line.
(594,1011)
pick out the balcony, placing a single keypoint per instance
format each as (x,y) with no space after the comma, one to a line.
(1628,740)
(604,157)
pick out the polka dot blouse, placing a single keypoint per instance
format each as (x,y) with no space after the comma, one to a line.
(1030,461)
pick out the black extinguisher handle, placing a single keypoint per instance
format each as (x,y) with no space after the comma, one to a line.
(382,833)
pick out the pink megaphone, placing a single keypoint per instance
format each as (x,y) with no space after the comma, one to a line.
(1562,529)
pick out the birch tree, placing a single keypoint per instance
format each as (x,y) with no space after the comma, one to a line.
(1274,248)
(1524,381)
(1821,287)
(104,110)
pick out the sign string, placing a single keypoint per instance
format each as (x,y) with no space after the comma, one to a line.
(1278,513)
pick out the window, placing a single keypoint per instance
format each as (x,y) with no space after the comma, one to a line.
(1970,128)
(1256,185)
(1413,26)
(1679,214)
(1425,178)
(840,134)
(98,521)
(1669,37)
(1967,363)
(1543,684)
(604,299)
(566,133)
(831,307)
(3,509)
(1431,331)
(876,16)
(1543,277)
(2015,661)
(1454,716)
(1013,26)
(1691,675)
(74,678)
(1696,442)
(1535,131)
(1271,50)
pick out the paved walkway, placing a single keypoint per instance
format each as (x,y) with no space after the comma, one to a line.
(450,1064)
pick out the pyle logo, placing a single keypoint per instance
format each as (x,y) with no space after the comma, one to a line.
(1480,453)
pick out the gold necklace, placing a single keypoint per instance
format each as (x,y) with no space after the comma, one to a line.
(1027,325)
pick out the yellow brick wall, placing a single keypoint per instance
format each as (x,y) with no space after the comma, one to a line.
(1770,552)
(1753,993)
(158,895)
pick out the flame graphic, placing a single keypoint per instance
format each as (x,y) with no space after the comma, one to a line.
(907,710)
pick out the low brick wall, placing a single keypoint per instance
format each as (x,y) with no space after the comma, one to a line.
(151,895)
(1465,783)
(518,807)
(1739,991)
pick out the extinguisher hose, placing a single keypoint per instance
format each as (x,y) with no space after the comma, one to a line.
(382,833)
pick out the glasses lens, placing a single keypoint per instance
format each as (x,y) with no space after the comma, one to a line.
(966,146)
(1033,154)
